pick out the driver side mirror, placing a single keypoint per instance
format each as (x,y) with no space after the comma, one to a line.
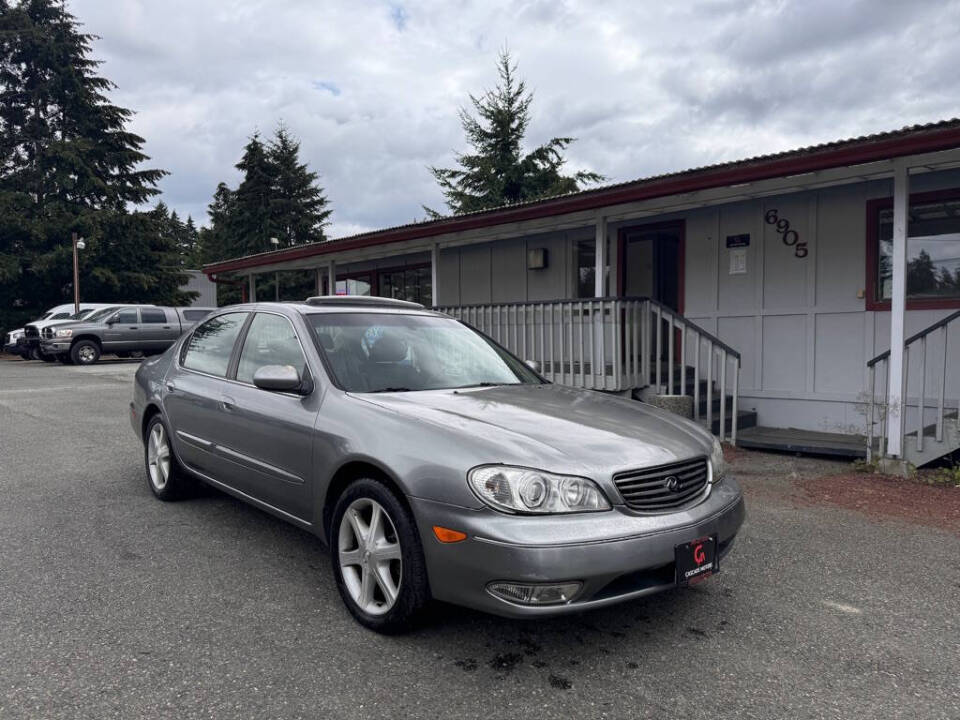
(282,378)
(111,320)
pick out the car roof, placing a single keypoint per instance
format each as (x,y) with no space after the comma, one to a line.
(341,304)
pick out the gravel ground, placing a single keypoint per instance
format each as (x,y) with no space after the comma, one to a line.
(115,605)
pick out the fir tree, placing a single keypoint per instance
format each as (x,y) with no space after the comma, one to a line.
(298,205)
(497,172)
(251,221)
(67,162)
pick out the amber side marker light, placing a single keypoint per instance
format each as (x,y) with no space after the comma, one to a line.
(446,535)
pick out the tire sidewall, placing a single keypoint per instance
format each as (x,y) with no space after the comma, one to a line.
(172,490)
(414,587)
(75,352)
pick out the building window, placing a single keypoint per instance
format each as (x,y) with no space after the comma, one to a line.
(933,251)
(355,285)
(411,283)
(586,268)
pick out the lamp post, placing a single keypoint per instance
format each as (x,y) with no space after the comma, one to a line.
(78,244)
(276,275)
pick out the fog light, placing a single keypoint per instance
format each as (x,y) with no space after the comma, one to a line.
(534,594)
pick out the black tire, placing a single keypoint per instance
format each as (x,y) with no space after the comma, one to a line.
(85,352)
(413,591)
(177,483)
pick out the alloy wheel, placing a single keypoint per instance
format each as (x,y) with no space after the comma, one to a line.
(158,457)
(86,354)
(370,557)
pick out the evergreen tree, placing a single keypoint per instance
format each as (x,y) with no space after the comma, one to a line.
(298,205)
(251,221)
(497,172)
(67,162)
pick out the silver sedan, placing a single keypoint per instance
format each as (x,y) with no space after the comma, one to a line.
(434,463)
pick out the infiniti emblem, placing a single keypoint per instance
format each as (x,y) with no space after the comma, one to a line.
(673,483)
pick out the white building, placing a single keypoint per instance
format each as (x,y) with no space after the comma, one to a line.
(779,279)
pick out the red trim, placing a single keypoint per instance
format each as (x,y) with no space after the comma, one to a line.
(804,161)
(680,226)
(873,215)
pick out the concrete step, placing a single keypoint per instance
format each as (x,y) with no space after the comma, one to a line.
(807,442)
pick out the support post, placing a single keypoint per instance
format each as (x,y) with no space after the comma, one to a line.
(898,305)
(276,287)
(332,278)
(76,276)
(599,286)
(434,285)
(319,281)
(253,287)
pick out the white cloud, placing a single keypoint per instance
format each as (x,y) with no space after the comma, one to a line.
(372,88)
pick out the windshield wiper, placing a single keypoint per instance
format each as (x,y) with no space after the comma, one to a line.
(391,389)
(486,383)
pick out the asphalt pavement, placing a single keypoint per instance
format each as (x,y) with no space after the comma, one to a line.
(115,605)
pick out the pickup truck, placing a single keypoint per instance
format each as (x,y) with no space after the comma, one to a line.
(33,330)
(123,330)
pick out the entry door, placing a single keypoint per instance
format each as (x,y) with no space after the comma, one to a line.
(652,263)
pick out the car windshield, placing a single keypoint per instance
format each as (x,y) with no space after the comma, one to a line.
(100,314)
(81,315)
(387,352)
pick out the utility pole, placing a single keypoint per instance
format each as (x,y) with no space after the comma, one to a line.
(76,276)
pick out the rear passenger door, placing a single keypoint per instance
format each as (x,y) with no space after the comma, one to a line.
(193,394)
(159,327)
(271,434)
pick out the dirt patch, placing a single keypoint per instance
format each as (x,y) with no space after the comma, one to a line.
(881,496)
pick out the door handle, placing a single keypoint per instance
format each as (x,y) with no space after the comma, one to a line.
(227,403)
(166,327)
(171,388)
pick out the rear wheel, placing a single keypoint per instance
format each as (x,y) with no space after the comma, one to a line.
(166,478)
(377,558)
(85,352)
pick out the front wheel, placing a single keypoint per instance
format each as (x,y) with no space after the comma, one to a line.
(377,558)
(166,478)
(85,352)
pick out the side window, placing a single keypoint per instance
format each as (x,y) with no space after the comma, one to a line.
(127,317)
(209,348)
(271,340)
(152,315)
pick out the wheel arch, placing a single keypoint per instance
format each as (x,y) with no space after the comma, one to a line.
(348,472)
(92,338)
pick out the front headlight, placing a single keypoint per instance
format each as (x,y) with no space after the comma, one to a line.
(717,462)
(524,490)
(64,333)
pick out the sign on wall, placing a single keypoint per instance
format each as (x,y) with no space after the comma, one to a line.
(738,241)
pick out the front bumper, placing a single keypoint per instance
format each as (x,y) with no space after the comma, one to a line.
(55,347)
(617,555)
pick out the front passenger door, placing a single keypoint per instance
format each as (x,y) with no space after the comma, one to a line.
(271,433)
(122,334)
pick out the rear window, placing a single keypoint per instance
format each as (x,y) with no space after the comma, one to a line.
(152,315)
(193,315)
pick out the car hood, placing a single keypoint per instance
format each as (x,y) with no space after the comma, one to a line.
(76,325)
(555,428)
(41,324)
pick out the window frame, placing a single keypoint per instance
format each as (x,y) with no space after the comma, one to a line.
(234,366)
(234,351)
(874,207)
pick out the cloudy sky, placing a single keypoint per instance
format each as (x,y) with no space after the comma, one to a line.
(372,87)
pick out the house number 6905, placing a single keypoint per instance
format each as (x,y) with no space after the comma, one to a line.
(791,238)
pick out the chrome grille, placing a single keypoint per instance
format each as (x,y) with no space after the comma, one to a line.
(647,489)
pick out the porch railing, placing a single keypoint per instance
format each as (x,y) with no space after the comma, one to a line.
(937,369)
(617,344)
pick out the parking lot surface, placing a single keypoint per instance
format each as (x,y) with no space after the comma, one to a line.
(113,604)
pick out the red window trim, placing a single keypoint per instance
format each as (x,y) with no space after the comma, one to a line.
(873,214)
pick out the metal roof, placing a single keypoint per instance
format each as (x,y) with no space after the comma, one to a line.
(865,148)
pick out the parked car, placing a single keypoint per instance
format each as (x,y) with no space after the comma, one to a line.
(15,341)
(123,330)
(433,462)
(33,330)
